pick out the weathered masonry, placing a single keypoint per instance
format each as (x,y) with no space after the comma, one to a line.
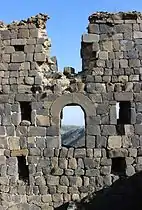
(36,172)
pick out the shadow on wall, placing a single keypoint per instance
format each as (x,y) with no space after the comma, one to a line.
(124,194)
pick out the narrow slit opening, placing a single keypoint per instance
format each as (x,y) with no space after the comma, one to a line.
(123,110)
(25,110)
(23,169)
(19,47)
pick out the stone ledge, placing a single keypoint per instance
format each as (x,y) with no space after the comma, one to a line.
(21,152)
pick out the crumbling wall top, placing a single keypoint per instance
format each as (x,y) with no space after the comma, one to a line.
(38,21)
(107,17)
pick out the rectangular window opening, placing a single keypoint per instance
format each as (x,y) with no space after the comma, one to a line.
(123,110)
(23,169)
(25,110)
(19,47)
(118,166)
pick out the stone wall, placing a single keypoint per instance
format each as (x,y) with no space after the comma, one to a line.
(36,172)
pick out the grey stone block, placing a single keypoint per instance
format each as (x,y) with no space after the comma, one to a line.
(80,153)
(126,96)
(92,172)
(108,130)
(48,152)
(37,131)
(90,38)
(2,131)
(90,141)
(40,57)
(18,57)
(93,29)
(105,170)
(90,163)
(113,117)
(93,130)
(138,129)
(101,142)
(52,180)
(18,41)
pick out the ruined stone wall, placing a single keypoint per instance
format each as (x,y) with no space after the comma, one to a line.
(36,172)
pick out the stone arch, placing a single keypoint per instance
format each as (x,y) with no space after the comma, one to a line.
(75,99)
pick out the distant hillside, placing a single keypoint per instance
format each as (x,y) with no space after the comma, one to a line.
(73,136)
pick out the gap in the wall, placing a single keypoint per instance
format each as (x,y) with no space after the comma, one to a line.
(123,113)
(23,169)
(19,48)
(118,166)
(72,126)
(25,110)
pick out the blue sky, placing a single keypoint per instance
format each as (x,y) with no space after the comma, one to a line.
(68,22)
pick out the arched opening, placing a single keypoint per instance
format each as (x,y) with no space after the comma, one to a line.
(72,126)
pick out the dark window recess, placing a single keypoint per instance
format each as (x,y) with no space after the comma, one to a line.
(40,63)
(124,117)
(19,47)
(25,110)
(118,166)
(23,169)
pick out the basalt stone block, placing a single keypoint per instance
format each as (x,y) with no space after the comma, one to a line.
(75,181)
(18,41)
(34,152)
(42,120)
(40,57)
(18,57)
(63,152)
(93,130)
(14,143)
(72,163)
(138,129)
(93,29)
(90,141)
(40,142)
(114,142)
(64,181)
(105,170)
(92,172)
(102,109)
(52,131)
(52,180)
(53,142)
(125,96)
(16,118)
(113,117)
(101,142)
(48,152)
(97,153)
(106,162)
(107,180)
(94,120)
(90,163)
(108,130)
(80,153)
(63,163)
(37,131)
(90,38)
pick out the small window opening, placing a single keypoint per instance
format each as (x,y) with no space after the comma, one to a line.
(118,166)
(23,169)
(19,47)
(123,110)
(72,128)
(40,63)
(25,110)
